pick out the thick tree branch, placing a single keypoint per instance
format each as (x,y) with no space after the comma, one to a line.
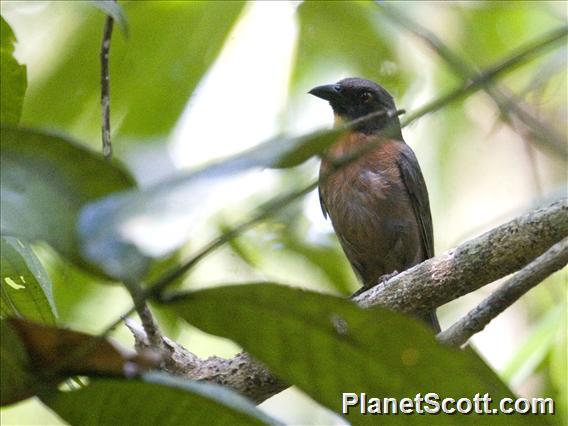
(466,268)
(535,272)
(240,373)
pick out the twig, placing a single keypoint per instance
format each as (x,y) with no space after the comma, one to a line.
(105,88)
(534,273)
(150,325)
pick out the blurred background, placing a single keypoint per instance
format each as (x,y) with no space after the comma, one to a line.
(193,82)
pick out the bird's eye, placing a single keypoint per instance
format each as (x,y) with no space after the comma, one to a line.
(366,97)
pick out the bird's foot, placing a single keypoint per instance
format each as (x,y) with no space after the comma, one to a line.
(384,278)
(381,282)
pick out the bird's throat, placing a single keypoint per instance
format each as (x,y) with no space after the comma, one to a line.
(338,120)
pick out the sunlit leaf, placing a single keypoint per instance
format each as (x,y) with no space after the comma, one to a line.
(120,232)
(327,345)
(45,180)
(12,78)
(157,399)
(26,287)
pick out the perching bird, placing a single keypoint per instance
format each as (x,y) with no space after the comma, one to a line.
(378,203)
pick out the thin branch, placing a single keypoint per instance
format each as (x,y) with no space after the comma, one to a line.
(105,88)
(148,321)
(534,273)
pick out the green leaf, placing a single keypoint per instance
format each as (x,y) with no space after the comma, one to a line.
(115,11)
(327,345)
(26,287)
(152,73)
(45,180)
(114,231)
(13,79)
(158,399)
(15,382)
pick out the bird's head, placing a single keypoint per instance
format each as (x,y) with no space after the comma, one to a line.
(354,98)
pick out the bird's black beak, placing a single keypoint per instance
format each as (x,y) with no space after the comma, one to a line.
(329,92)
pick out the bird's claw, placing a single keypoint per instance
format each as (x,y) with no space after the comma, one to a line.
(381,283)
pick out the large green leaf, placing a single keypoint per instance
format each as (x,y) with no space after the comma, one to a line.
(45,180)
(26,287)
(115,231)
(327,346)
(12,78)
(158,399)
(152,72)
(16,382)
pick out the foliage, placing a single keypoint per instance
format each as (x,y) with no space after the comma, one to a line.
(71,221)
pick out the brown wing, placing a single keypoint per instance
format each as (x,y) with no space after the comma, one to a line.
(322,204)
(412,177)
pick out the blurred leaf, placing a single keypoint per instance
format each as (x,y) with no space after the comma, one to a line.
(65,353)
(326,258)
(15,381)
(12,78)
(26,287)
(115,231)
(153,72)
(158,399)
(239,246)
(534,350)
(327,346)
(558,369)
(489,29)
(45,180)
(114,10)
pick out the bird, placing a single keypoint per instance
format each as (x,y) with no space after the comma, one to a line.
(378,201)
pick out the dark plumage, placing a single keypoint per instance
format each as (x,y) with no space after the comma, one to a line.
(378,204)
